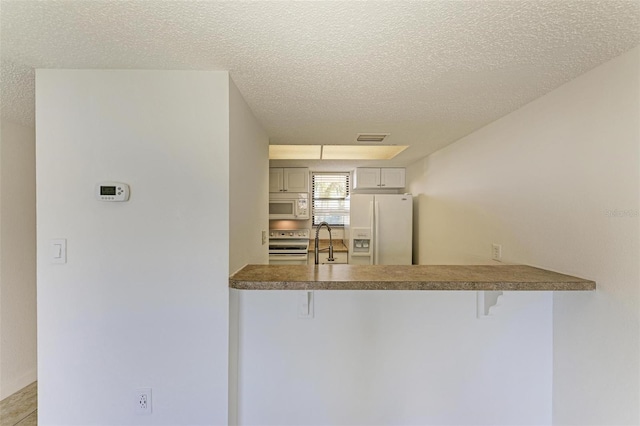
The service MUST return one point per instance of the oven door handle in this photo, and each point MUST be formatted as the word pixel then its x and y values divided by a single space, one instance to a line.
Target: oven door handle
pixel 288 257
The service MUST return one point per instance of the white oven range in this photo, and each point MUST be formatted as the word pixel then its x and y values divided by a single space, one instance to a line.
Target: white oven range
pixel 288 246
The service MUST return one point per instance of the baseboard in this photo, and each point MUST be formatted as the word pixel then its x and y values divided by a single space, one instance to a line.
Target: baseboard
pixel 19 406
pixel 9 387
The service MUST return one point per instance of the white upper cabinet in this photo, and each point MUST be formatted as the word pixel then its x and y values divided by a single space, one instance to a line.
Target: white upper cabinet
pixel 379 178
pixel 366 177
pixel 276 179
pixel 296 179
pixel 290 179
pixel 392 177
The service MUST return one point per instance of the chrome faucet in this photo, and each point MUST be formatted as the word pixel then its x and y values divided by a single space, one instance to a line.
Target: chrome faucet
pixel 317 248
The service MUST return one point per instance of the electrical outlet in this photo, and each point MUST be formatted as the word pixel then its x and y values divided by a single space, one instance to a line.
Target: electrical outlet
pixel 143 401
pixel 496 252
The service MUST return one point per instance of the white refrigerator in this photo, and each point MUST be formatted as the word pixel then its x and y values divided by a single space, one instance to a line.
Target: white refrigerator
pixel 380 230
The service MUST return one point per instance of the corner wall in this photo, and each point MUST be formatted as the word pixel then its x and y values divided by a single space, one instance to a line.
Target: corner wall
pixel 18 357
pixel 248 184
pixel 557 183
pixel 248 213
pixel 143 298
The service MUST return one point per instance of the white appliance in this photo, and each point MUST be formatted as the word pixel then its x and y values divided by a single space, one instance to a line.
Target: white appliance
pixel 288 246
pixel 290 205
pixel 380 230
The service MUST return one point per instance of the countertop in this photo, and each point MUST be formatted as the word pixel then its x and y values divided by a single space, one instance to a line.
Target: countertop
pixel 338 246
pixel 405 277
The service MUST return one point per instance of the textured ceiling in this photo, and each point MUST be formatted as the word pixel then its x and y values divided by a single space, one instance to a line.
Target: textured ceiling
pixel 320 72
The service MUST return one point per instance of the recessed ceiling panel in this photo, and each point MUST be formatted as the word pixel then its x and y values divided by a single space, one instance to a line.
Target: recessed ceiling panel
pixel 361 152
pixel 294 152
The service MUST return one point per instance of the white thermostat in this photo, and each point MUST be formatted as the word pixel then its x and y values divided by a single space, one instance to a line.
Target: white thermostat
pixel 112 191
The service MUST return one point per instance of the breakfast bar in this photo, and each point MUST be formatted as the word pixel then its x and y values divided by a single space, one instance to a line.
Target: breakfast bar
pixel 405 277
pixel 438 332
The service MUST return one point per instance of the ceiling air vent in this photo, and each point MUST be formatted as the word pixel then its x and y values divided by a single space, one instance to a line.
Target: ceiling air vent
pixel 372 137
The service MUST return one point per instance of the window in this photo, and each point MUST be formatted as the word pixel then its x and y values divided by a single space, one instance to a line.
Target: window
pixel 329 203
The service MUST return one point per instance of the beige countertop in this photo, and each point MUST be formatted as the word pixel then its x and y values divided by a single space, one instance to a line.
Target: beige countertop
pixel 405 277
pixel 338 246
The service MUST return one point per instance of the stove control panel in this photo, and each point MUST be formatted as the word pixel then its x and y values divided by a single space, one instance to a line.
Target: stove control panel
pixel 289 233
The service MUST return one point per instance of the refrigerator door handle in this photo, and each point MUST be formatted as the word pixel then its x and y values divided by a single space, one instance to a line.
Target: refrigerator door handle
pixel 373 237
pixel 376 221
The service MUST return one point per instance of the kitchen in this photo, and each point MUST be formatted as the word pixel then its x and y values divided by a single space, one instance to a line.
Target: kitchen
pixel 525 140
pixel 369 222
pixel 339 335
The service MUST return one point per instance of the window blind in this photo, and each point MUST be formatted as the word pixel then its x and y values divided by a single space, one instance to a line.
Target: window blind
pixel 329 198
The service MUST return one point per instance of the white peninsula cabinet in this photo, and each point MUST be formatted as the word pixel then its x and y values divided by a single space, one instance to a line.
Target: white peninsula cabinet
pixel 289 179
pixel 379 178
pixel 359 333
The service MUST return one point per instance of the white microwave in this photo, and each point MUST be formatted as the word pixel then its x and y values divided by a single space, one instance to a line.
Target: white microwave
pixel 291 205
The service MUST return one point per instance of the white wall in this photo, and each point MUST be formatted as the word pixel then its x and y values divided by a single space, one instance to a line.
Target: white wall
pixel 556 183
pixel 394 358
pixel 18 363
pixel 248 211
pixel 248 183
pixel 143 298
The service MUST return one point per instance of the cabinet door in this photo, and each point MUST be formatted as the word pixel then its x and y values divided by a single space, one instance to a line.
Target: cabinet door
pixel 366 177
pixel 296 179
pixel 275 179
pixel 392 177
